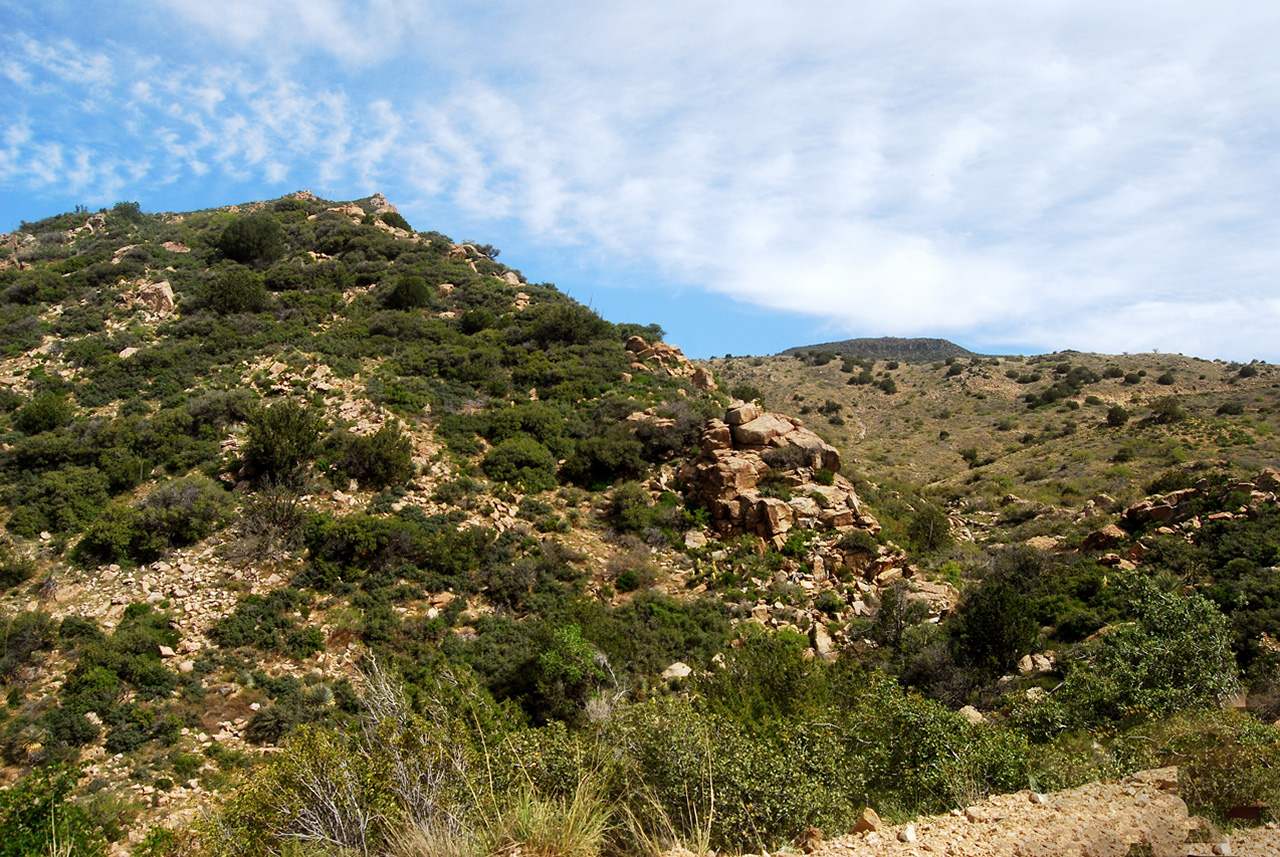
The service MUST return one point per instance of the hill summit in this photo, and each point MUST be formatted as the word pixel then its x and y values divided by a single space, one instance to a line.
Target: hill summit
pixel 917 350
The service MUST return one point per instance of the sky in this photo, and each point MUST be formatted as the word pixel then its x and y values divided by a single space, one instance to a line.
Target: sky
pixel 1016 177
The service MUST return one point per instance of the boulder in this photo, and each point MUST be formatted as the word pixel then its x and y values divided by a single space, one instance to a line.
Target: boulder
pixel 678 670
pixel 716 436
pixel 742 413
pixel 156 297
pixel 1105 538
pixel 703 380
pixel 761 430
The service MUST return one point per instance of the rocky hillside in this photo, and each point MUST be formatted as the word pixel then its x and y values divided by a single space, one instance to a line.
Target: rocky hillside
pixel 321 531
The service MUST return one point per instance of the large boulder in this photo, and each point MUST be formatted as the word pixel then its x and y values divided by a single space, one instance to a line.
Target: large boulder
pixel 761 430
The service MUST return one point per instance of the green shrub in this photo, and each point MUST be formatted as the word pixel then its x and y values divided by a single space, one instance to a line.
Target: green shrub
pixel 1167 410
pixel 1117 416
pixel 252 239
pixel 521 461
pixel 44 413
pixel 395 219
pixel 859 541
pixel 378 460
pixel 38 813
pixel 15 568
pixel 281 441
pixel 994 627
pixel 407 292
pixel 267 623
pixel 237 289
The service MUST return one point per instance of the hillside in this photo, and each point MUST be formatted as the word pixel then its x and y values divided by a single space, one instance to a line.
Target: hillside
pixel 326 533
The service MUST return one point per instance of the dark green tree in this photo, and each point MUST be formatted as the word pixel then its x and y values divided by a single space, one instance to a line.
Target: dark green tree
pixel 281 441
pixel 252 239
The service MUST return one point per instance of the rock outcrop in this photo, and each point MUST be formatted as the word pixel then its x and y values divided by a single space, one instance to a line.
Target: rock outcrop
pixel 1184 507
pixel 670 359
pixel 746 449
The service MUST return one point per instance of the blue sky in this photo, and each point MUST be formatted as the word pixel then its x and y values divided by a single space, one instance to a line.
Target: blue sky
pixel 1018 177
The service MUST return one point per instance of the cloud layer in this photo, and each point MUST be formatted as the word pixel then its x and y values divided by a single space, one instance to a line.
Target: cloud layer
pixel 1041 177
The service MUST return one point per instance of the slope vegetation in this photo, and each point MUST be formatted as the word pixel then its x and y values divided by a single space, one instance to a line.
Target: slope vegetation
pixel 325 533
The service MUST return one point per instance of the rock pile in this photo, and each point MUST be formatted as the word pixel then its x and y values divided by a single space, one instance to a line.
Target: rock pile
pixel 1183 507
pixel 741 451
pixel 670 359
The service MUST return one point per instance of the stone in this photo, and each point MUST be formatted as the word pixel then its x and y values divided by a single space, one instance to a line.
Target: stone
pixel 126 353
pixel 703 380
pixel 907 833
pixel 695 539
pixel 166 652
pixel 678 670
pixel 761 430
pixel 1105 538
pixel 187 667
pixel 821 640
pixel 809 840
pixel 867 822
pixel 156 297
pixel 972 714
pixel 743 413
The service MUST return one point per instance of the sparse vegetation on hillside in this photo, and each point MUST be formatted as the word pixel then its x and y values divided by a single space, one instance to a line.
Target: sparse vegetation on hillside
pixel 353 538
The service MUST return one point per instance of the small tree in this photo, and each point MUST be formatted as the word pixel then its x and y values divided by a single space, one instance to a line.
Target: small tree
pixel 994 628
pixel 253 239
pixel 1167 410
pixel 1117 416
pixel 407 292
pixel 281 441
pixel 381 459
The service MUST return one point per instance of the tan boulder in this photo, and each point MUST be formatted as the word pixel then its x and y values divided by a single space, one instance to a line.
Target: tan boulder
pixel 742 413
pixel 157 297
pixel 703 380
pixel 761 430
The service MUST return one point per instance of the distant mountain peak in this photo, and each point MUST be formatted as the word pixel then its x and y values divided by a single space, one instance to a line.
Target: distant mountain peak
pixel 919 349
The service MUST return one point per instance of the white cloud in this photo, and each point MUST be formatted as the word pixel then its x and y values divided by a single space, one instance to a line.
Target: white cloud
pixel 1062 175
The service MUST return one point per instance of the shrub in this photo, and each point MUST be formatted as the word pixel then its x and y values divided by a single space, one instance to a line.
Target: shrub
pixel 377 460
pixel 746 392
pixel 1175 655
pixel 1167 410
pixel 236 290
pixel 1117 416
pixel 407 292
pixel 994 627
pixel 1166 379
pixel 15 568
pixel 1232 409
pixel 280 441
pixel 929 529
pixel 522 461
pixel 46 412
pixel 38 814
pixel 186 510
pixel 396 220
pixel 859 541
pixel 786 457
pixel 252 239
